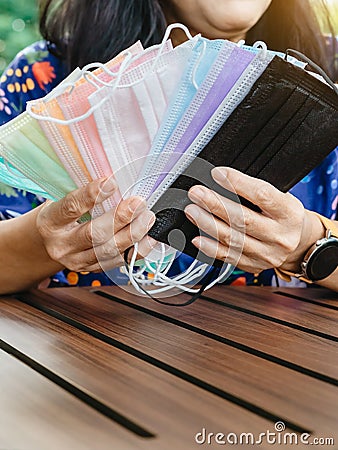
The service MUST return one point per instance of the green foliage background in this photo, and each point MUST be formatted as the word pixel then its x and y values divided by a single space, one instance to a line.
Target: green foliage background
pixel 16 34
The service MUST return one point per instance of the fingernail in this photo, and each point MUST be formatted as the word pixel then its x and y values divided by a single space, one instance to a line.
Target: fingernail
pixel 196 241
pixel 108 186
pixel 136 205
pixel 219 173
pixel 192 211
pixel 150 218
pixel 197 192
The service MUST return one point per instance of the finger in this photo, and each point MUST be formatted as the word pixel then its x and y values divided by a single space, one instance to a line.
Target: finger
pixel 145 246
pixel 234 214
pixel 109 254
pixel 103 228
pixel 126 237
pixel 77 203
pixel 216 250
pixel 269 199
pixel 87 261
pixel 79 261
pixel 216 228
pixel 127 211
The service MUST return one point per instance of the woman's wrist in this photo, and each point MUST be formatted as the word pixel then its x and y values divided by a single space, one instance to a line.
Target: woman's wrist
pixel 312 230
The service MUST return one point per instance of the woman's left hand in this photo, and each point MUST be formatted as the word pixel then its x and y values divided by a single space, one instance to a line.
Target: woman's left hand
pixel 278 236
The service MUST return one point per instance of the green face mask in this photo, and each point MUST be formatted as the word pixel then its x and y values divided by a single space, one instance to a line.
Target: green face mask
pixel 10 176
pixel 25 147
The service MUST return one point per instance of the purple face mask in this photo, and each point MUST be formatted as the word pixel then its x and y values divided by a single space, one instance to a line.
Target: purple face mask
pixel 222 76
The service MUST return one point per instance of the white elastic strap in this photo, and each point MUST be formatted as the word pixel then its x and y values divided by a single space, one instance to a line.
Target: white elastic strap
pixel 165 283
pixel 166 37
pixel 240 43
pixel 262 45
pixel 83 116
pixel 99 83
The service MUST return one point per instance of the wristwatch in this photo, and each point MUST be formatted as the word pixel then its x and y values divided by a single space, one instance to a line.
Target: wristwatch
pixel 321 260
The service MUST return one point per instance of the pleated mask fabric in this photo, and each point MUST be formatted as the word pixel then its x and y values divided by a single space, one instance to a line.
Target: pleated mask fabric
pixel 25 146
pixel 223 75
pixel 225 109
pixel 132 110
pixel 279 132
pixel 202 57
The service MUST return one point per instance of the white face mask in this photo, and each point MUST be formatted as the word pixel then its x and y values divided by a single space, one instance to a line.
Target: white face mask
pixel 130 117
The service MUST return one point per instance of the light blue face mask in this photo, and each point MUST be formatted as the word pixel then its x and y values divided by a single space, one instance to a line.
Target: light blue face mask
pixel 257 47
pixel 12 177
pixel 223 75
pixel 202 58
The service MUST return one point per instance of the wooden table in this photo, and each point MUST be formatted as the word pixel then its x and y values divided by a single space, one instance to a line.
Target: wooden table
pixel 103 369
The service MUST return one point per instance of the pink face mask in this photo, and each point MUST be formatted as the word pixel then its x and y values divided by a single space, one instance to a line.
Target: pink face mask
pixel 80 161
pixel 84 132
pixel 132 109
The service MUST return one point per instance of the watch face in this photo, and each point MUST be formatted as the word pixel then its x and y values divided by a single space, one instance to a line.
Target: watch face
pixel 323 261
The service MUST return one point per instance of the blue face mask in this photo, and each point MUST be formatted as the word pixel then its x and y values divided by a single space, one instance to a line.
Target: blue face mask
pixel 202 58
pixel 228 67
pixel 12 177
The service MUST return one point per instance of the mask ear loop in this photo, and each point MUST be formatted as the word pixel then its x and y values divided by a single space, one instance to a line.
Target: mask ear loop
pixel 99 83
pixel 213 273
pixel 86 114
pixel 314 66
pixel 264 48
pixel 166 37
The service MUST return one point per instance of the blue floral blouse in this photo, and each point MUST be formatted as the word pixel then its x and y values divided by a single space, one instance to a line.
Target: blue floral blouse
pixel 36 71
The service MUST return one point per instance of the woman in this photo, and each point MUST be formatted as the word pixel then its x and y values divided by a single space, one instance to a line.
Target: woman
pixel 63 24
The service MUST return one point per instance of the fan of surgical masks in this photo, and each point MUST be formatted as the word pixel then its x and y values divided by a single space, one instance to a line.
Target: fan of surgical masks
pixel 143 117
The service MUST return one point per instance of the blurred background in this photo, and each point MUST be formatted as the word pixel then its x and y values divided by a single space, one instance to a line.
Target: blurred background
pixel 18 26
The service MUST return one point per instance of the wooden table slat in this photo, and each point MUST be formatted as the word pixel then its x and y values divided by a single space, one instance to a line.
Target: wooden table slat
pixel 287 344
pixel 150 396
pixel 239 373
pixel 320 296
pixel 284 309
pixel 236 363
pixel 35 414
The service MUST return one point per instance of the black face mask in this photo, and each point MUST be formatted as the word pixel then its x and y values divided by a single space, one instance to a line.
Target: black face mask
pixel 285 126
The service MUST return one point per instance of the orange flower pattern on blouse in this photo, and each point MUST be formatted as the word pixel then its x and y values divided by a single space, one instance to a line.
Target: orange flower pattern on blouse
pixel 43 73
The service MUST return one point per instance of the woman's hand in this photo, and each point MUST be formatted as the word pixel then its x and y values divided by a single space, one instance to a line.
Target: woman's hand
pixel 278 236
pixel 80 247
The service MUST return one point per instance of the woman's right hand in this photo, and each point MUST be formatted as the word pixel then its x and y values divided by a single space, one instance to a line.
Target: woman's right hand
pixel 81 246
